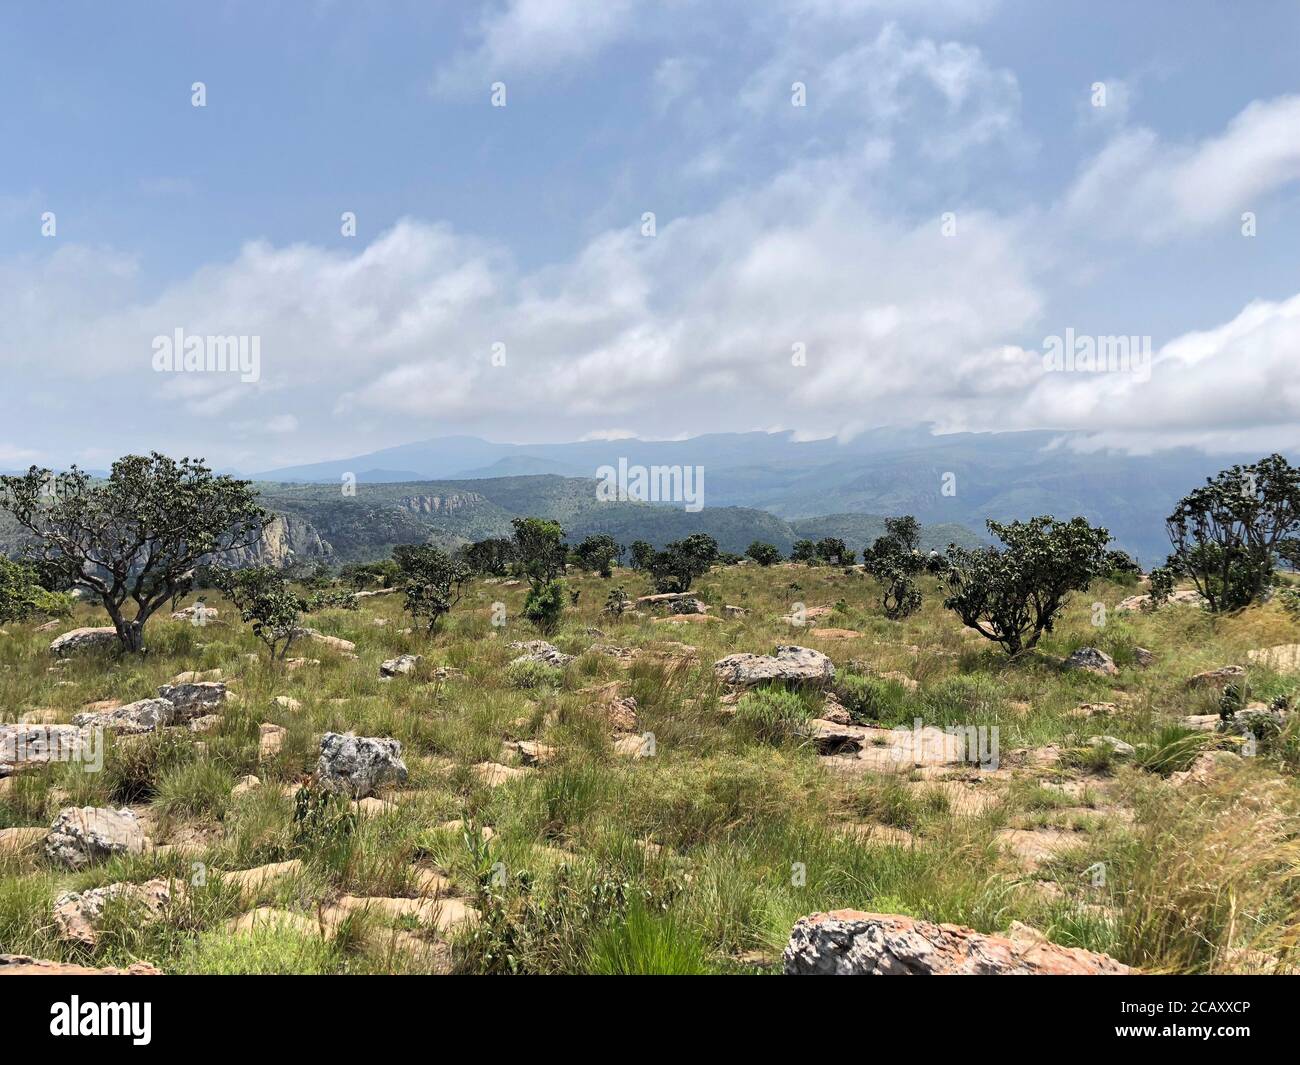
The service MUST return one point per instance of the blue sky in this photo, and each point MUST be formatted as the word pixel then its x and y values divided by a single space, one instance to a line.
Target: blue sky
pixel 775 225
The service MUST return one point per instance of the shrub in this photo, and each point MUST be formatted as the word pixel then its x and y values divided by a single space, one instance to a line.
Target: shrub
pixel 21 594
pixel 682 561
pixel 804 551
pixel 544 605
pixel 263 597
pixel 598 553
pixel 432 582
pixel 763 553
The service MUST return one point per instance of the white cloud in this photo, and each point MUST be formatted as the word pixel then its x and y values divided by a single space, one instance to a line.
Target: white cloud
pixel 1140 186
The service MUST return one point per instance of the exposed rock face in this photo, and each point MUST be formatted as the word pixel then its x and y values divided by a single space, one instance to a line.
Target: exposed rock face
pixel 286 539
pixel 86 834
pixel 89 639
pixel 1284 658
pixel 1092 660
pixel 26 965
pixel 672 603
pixel 862 748
pixel 440 504
pixel 194 699
pixel 541 651
pixel 400 665
pixel 852 943
pixel 23 746
pixel 77 914
pixel 790 664
pixel 357 765
pixel 1182 597
pixel 136 718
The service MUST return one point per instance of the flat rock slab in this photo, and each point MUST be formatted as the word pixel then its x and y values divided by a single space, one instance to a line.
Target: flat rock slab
pixel 671 603
pixel 26 965
pixel 788 664
pixel 251 882
pixel 862 748
pixel 133 719
pixel 834 634
pixel 852 943
pixel 87 639
pixel 1033 847
pixel 1284 658
pixel 494 774
pixel 266 918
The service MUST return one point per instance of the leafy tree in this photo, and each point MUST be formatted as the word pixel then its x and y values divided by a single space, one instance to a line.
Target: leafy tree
pixel 544 604
pixel 894 560
pixel 21 594
pixel 1226 535
pixel 135 536
pixel 804 551
pixel 598 552
pixel 641 554
pixel 680 562
pixel 763 553
pixel 1015 594
pixel 381 574
pixel 539 548
pixel 617 602
pixel 1120 565
pixel 833 551
pixel 431 581
pixel 265 598
pixel 491 557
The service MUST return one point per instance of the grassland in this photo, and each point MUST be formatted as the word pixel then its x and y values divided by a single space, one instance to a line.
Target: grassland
pixel 700 857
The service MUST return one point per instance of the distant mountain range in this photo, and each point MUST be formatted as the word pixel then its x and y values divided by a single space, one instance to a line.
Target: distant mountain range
pixel 773 484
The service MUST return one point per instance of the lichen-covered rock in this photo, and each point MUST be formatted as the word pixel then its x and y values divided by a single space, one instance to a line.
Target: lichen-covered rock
pixel 88 639
pixel 357 765
pixel 133 719
pixel 672 603
pixel 1218 678
pixel 400 665
pixel 852 943
pixel 1092 660
pixel 194 699
pixel 81 835
pixel 789 664
pixel 77 914
pixel 541 651
pixel 27 745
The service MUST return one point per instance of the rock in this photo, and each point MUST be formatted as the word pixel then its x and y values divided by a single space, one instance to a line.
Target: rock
pixel 133 719
pixel 26 746
pixel 852 943
pixel 460 827
pixel 494 774
pixel 1202 771
pixel 686 619
pixel 533 753
pixel 245 785
pixel 357 765
pixel 623 654
pixel 86 834
pixel 834 712
pixel 250 882
pixel 1201 722
pixel 399 666
pixel 812 613
pixel 1218 678
pixel 789 664
pixel 1284 658
pixel 541 651
pixel 1118 747
pixel 270 738
pixel 834 634
pixel 265 918
pixel 77 914
pixel 288 702
pixel 21 840
pixel 195 612
pixel 206 723
pixel 1181 597
pixel 671 603
pixel 1087 710
pixel 1142 657
pixel 89 639
pixel 634 747
pixel 334 643
pixel 860 748
pixel 735 611
pixel 194 699
pixel 901 679
pixel 44 716
pixel 193 676
pixel 25 965
pixel 1092 660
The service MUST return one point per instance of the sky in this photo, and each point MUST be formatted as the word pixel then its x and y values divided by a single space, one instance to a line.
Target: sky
pixel 581 219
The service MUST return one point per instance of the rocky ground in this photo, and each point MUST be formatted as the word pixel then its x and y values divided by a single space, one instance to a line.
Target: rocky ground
pixel 763 775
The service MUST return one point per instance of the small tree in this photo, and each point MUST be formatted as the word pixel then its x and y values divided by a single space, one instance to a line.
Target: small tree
pixel 894 560
pixel 617 602
pixel 539 548
pixel 265 598
pixel 804 551
pixel 491 557
pixel 1015 594
pixel 682 561
pixel 431 581
pixel 21 594
pixel 1226 535
pixel 834 552
pixel 763 553
pixel 136 536
pixel 640 555
pixel 598 553
pixel 544 605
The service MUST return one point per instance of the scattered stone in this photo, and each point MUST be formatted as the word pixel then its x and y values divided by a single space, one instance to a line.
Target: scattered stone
pixel 288 702
pixel 270 738
pixel 44 716
pixel 458 826
pixel 86 834
pixel 1218 678
pixel 1087 710
pixel 399 666
pixel 789 664
pixel 192 676
pixel 77 914
pixel 860 748
pixel 1201 722
pixel 540 651
pixel 26 965
pixel 623 654
pixel 373 807
pixel 271 917
pixel 21 840
pixel 834 711
pixel 89 639
pixel 1118 747
pixel 206 723
pixel 634 747
pixel 834 634
pixel 134 719
pixel 357 765
pixel 245 785
pixel 194 699
pixel 686 619
pixel 853 943
pixel 901 679
pixel 27 746
pixel 735 611
pixel 1182 597
pixel 1142 657
pixel 1092 660
pixel 251 882
pixel 672 603
pixel 494 774
pixel 1202 771
pixel 812 613
pixel 533 753
pixel 334 643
